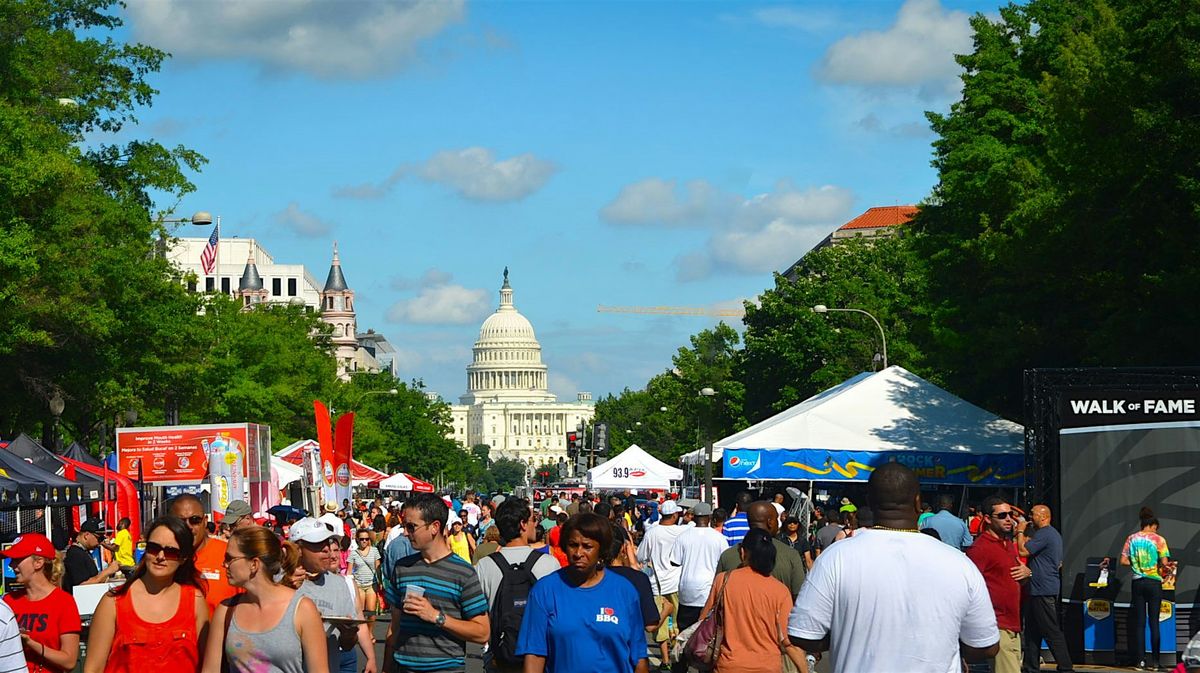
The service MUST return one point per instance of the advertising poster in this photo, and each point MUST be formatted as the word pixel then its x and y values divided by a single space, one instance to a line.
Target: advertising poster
pixel 176 454
pixel 325 440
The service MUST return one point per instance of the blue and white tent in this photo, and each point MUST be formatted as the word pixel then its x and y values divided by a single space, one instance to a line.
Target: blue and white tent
pixel 843 433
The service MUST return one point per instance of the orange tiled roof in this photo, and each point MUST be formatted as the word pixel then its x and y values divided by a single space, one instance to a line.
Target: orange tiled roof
pixel 881 216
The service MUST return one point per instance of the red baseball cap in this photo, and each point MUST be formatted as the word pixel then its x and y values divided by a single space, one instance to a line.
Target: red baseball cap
pixel 30 544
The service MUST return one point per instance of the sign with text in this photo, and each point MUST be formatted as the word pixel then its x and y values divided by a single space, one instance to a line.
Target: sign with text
pixel 1081 409
pixel 180 453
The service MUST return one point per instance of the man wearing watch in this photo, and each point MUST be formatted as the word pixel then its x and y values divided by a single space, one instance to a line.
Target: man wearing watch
pixel 437 602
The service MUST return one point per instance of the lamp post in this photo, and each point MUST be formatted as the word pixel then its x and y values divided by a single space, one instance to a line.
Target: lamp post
pixel 57 405
pixel 708 454
pixel 821 308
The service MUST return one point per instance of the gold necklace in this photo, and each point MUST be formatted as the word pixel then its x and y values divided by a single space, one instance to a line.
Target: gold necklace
pixel 898 530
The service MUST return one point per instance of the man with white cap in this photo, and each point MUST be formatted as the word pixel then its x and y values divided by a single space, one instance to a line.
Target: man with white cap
pixel 696 553
pixel 655 551
pixel 329 591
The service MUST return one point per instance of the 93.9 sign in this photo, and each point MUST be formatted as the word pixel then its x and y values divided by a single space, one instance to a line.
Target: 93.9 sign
pixel 627 473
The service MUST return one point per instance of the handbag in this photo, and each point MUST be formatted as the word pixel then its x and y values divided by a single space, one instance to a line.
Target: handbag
pixel 704 645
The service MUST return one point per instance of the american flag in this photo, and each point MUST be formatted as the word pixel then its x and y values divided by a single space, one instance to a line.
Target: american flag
pixel 209 255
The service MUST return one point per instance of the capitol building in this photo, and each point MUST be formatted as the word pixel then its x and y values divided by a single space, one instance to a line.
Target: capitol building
pixel 508 405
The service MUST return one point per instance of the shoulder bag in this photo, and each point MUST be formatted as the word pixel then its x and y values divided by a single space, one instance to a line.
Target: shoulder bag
pixel 704 645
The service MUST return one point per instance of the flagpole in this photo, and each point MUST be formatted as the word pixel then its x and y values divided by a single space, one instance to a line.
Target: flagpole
pixel 217 256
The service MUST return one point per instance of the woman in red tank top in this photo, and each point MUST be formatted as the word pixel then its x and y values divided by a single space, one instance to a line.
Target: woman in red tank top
pixel 159 616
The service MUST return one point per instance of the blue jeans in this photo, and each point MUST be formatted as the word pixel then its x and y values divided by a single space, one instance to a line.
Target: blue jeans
pixel 349 662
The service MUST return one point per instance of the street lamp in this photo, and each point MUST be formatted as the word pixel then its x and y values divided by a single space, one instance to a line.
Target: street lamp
pixel 57 405
pixel 821 308
pixel 708 454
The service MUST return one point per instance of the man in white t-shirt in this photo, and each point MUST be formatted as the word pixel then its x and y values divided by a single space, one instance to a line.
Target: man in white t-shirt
pixel 472 509
pixel 696 552
pixel 655 551
pixel 892 599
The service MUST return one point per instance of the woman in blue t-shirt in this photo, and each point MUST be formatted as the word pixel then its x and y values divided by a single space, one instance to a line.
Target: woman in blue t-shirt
pixel 583 619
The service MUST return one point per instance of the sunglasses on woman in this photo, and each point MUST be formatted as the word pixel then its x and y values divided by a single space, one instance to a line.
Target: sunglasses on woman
pixel 169 553
pixel 364 539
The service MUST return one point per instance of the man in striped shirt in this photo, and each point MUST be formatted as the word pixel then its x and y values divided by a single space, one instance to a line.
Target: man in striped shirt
pixel 429 632
pixel 12 655
pixel 737 526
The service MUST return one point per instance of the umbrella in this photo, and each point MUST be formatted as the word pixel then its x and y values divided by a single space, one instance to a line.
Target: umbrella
pixel 287 512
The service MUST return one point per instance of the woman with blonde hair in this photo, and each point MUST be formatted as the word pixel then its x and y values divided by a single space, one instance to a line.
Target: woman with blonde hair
pixel 53 646
pixel 158 615
pixel 269 628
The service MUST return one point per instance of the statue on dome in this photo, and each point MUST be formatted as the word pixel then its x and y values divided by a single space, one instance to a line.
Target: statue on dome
pixel 506 274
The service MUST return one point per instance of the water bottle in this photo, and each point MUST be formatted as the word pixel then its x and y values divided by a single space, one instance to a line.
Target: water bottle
pixel 812 662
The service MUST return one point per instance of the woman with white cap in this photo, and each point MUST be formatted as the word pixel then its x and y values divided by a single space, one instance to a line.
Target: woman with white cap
pixel 53 645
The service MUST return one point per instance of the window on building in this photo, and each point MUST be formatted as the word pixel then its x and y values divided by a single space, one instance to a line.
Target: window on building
pixel 191 286
pixel 225 284
pixel 276 287
pixel 291 287
pixel 210 284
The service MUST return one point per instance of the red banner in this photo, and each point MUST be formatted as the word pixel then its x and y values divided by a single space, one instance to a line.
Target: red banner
pixel 325 439
pixel 343 450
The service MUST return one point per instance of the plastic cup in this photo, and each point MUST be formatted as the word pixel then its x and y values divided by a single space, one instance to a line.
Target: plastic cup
pixel 414 591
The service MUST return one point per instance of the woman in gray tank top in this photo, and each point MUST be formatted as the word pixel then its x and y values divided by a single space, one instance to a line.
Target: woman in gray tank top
pixel 269 628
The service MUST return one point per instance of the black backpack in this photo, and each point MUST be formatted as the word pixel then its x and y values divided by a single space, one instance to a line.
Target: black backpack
pixel 509 607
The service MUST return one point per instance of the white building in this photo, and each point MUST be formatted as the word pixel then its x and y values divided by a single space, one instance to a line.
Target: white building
pixel 508 405
pixel 283 282
pixel 244 269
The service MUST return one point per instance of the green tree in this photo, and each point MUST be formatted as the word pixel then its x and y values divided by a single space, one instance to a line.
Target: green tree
pixel 507 474
pixel 1064 226
pixel 84 300
pixel 792 353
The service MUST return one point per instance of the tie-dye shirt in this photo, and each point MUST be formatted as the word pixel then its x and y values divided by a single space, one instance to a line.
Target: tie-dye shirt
pixel 1144 551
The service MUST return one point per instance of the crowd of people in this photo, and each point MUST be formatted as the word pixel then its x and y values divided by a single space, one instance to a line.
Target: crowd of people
pixel 578 584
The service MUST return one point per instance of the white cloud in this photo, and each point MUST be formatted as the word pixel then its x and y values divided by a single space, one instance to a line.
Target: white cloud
pixel 329 40
pixel 473 173
pixel 439 302
pixel 655 201
pixel 302 223
pixel 916 51
pixel 756 234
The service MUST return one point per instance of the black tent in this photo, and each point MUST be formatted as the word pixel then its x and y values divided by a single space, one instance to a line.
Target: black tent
pixel 76 452
pixel 32 452
pixel 43 487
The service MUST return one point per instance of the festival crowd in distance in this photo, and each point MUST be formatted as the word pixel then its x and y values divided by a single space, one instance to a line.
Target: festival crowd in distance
pixel 598 583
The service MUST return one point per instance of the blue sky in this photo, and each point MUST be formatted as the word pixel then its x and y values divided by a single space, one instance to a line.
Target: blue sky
pixel 622 153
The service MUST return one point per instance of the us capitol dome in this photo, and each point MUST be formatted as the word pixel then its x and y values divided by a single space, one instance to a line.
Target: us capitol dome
pixel 508 405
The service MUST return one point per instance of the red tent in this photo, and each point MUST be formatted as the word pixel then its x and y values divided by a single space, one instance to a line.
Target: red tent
pixel 360 473
pixel 127 502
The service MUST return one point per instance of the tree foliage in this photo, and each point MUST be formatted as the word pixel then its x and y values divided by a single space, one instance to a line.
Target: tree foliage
pixel 1063 230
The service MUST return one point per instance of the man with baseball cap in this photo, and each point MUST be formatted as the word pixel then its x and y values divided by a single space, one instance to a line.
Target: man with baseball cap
pixel 696 553
pixel 238 515
pixel 80 567
pixel 655 551
pixel 329 591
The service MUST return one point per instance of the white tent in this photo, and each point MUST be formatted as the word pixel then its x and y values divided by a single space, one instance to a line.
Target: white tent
pixel 633 468
pixel 892 415
pixel 697 457
pixel 287 472
pixel 396 482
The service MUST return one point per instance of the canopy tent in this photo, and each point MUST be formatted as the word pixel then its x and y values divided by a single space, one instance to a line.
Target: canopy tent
pixel 287 472
pixel 43 487
pixel 126 502
pixel 361 474
pixel 77 453
pixel 32 452
pixel 633 468
pixel 842 433
pixel 697 457
pixel 402 482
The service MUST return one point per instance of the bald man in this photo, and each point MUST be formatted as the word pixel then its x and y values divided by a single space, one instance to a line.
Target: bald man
pixel 861 596
pixel 789 565
pixel 1043 547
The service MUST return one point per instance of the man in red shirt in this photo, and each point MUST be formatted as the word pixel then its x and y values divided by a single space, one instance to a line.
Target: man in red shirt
pixel 996 556
pixel 210 552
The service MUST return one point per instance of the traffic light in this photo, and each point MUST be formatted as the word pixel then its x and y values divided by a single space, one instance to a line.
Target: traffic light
pixel 573 444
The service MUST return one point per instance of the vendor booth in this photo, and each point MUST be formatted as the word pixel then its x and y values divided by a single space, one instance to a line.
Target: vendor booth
pixel 402 482
pixel 633 469
pixel 843 433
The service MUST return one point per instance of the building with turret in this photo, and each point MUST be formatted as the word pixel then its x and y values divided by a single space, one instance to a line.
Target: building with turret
pixel 251 289
pixel 337 309
pixel 508 405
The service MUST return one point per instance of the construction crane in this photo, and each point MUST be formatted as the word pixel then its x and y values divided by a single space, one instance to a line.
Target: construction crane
pixel 733 312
